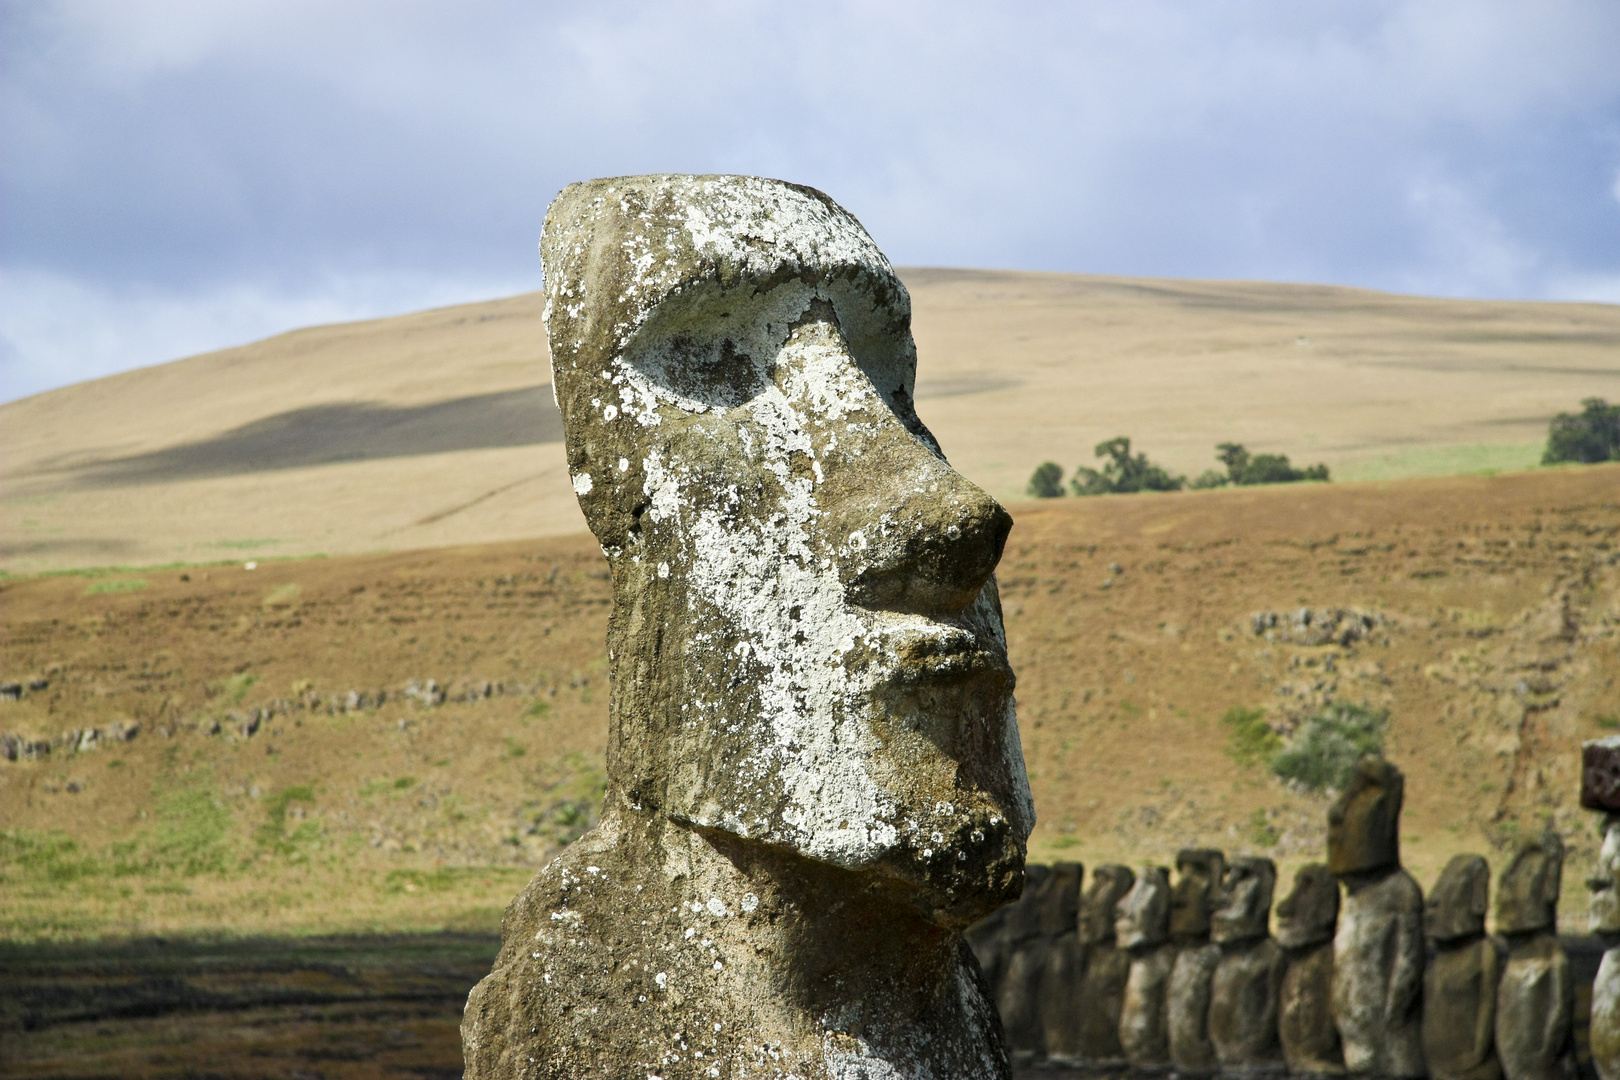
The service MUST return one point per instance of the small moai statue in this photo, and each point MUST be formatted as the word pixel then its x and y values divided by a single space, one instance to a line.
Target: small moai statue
pixel 1378 950
pixel 1142 927
pixel 1061 976
pixel 1306 920
pixel 1535 1000
pixel 1198 881
pixel 1459 984
pixel 1018 998
pixel 1107 967
pixel 1248 979
pixel 1600 790
pixel 988 940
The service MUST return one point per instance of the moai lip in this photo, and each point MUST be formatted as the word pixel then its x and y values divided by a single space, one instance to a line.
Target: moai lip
pixel 815 779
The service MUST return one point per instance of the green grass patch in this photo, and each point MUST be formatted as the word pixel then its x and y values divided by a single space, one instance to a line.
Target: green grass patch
pixel 537 707
pixel 1260 831
pixel 513 750
pixel 236 687
pixel 246 545
pixel 1488 458
pixel 1609 722
pixel 117 585
pixel 1250 741
pixel 191 834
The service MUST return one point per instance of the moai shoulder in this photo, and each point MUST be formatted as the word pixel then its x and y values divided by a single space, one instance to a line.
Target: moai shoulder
pixel 1535 1002
pixel 1245 990
pixel 814 776
pixel 1307 919
pixel 1378 950
pixel 1459 985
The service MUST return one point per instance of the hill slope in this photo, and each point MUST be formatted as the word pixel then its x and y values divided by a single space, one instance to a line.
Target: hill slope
pixel 437 428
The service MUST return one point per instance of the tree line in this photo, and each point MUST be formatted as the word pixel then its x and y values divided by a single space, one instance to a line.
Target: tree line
pixel 1124 472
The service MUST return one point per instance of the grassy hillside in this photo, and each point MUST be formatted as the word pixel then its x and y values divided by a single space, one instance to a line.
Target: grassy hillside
pixel 295 768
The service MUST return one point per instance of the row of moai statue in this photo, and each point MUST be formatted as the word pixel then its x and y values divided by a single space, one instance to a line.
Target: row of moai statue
pixel 1144 971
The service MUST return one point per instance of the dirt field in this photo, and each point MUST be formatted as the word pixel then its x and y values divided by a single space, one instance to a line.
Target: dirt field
pixel 261 795
pixel 437 428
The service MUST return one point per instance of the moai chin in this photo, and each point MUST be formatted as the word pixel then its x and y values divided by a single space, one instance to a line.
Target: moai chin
pixel 1378 949
pixel 1061 975
pixel 1142 928
pixel 1459 984
pixel 1604 1031
pixel 814 775
pixel 1198 880
pixel 1107 967
pixel 1306 921
pixel 1535 1000
pixel 1248 979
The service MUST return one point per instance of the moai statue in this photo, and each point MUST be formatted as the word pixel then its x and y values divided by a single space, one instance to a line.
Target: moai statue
pixel 988 940
pixel 1248 979
pixel 1142 928
pixel 814 775
pixel 1459 984
pixel 1600 790
pixel 1198 879
pixel 1535 1001
pixel 1018 997
pixel 1065 962
pixel 1306 921
pixel 1107 967
pixel 1378 950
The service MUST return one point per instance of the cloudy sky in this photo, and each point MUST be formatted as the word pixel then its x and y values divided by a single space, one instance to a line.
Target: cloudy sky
pixel 181 176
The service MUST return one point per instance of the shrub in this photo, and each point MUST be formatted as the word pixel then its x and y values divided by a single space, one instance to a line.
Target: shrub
pixel 1324 751
pixel 1123 473
pixel 1590 436
pixel 1047 481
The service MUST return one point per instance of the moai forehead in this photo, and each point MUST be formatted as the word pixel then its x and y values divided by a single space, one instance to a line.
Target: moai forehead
pixel 1245 895
pixel 1456 906
pixel 1364 824
pixel 1109 884
pixel 1309 913
pixel 1142 917
pixel 1527 893
pixel 1198 878
pixel 1604 916
pixel 806 639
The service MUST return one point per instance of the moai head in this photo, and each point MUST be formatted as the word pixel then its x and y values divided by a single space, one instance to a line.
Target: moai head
pixel 1060 899
pixel 1364 823
pixel 806 644
pixel 1605 881
pixel 1455 909
pixel 1309 914
pixel 1245 900
pixel 1099 906
pixel 1198 878
pixel 1142 917
pixel 1527 891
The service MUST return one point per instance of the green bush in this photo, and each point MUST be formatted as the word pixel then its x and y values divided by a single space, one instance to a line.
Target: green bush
pixel 1590 436
pixel 1324 751
pixel 1123 473
pixel 1046 482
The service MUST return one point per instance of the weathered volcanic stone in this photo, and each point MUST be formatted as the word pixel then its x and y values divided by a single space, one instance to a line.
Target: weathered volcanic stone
pixel 1143 929
pixel 1108 966
pixel 1018 995
pixel 1605 922
pixel 1248 979
pixel 1535 1000
pixel 1306 920
pixel 1459 984
pixel 1600 774
pixel 1198 877
pixel 1378 949
pixel 814 776
pixel 1061 979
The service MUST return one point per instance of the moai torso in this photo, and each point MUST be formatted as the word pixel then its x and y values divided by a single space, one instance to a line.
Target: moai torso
pixel 1143 929
pixel 1306 921
pixel 1107 967
pixel 1378 950
pixel 1600 790
pixel 1248 980
pixel 1064 969
pixel 1198 876
pixel 1535 1000
pixel 814 777
pixel 1459 984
